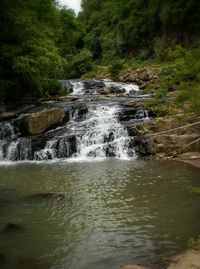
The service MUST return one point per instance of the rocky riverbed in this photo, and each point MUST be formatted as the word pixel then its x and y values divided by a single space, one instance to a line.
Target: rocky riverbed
pixel 51 128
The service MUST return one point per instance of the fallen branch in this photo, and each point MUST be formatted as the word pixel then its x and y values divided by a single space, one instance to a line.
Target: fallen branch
pixel 178 151
pixel 174 129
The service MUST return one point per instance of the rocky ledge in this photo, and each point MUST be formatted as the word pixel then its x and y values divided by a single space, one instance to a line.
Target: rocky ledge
pixel 172 138
pixel 188 260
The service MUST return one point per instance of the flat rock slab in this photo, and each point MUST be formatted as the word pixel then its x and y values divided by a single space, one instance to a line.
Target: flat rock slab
pixel 189 260
pixel 132 266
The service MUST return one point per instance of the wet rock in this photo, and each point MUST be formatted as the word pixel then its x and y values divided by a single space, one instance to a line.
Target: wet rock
pixel 188 260
pixel 2 259
pixel 93 84
pixel 42 120
pixel 151 114
pixel 12 228
pixel 105 90
pixel 33 263
pixel 66 147
pixel 4 116
pixel 68 87
pixel 127 114
pixel 117 90
pixel 82 111
pixel 49 196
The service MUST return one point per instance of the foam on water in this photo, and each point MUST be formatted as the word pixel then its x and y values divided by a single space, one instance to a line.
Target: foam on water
pixel 103 136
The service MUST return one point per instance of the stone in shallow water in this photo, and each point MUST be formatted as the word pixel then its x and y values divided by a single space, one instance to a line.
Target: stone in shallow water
pixel 47 196
pixel 2 259
pixel 33 263
pixel 12 227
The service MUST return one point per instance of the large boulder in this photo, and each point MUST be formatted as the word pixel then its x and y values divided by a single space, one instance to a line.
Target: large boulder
pixel 40 121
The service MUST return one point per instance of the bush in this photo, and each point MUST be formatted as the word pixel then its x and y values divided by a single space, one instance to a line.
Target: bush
pixel 116 67
pixel 51 87
pixel 81 64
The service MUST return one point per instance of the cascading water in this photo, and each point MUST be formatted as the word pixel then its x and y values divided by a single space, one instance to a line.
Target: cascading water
pixel 94 129
pixel 101 135
pixel 78 87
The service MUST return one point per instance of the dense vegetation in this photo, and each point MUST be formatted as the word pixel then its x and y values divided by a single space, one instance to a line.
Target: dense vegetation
pixel 124 28
pixel 41 42
pixel 38 41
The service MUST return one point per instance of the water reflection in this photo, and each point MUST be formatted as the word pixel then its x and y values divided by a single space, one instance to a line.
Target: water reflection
pixel 112 212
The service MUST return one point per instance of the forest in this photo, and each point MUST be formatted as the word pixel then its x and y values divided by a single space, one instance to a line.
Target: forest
pixel 42 42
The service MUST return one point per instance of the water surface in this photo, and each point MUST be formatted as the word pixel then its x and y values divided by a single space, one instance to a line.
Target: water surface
pixel 113 212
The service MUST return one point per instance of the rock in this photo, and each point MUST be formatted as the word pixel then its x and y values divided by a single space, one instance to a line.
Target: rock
pixel 132 266
pixel 171 136
pixel 49 196
pixel 11 228
pixel 143 75
pixel 117 90
pixel 188 260
pixel 2 259
pixel 191 158
pixel 105 90
pixel 127 114
pixel 7 116
pixel 68 87
pixel 93 84
pixel 34 263
pixel 42 120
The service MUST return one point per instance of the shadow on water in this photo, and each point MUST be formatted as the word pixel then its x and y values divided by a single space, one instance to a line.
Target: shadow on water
pixel 95 215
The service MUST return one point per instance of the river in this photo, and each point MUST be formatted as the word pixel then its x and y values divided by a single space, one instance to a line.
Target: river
pixel 101 207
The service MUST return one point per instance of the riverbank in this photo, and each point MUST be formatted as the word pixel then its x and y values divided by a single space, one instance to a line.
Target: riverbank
pixel 187 260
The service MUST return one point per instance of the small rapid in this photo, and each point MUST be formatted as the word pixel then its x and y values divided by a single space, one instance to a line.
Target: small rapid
pixel 94 127
pixel 102 135
pixel 99 135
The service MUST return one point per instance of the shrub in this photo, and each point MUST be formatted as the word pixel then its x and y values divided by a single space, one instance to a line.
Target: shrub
pixel 116 67
pixel 81 64
pixel 51 87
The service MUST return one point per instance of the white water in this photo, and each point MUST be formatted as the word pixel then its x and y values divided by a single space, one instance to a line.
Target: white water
pixel 78 87
pixel 102 136
pixel 121 85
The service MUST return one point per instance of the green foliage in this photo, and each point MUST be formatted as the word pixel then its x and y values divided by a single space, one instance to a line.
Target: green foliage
pixel 139 27
pixel 116 67
pixel 51 87
pixel 161 107
pixel 27 49
pixel 183 77
pixel 80 64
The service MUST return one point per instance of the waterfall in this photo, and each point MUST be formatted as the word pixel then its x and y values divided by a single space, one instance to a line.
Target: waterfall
pixel 101 135
pixel 95 129
pixel 93 86
pixel 78 87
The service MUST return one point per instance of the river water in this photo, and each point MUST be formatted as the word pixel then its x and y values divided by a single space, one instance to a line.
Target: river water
pixel 110 213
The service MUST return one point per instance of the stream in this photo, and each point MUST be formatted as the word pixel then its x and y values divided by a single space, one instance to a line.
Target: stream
pixel 79 196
